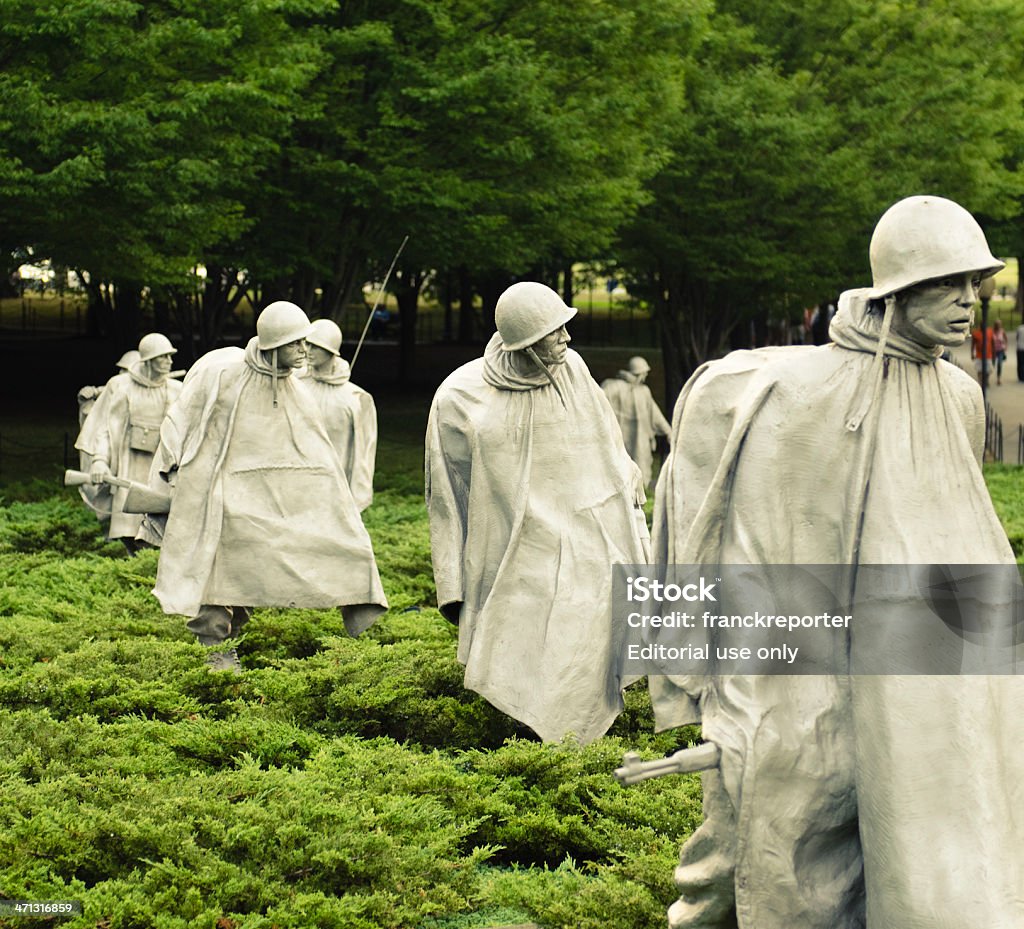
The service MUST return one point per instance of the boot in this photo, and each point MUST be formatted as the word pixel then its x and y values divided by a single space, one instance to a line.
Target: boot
pixel 225 661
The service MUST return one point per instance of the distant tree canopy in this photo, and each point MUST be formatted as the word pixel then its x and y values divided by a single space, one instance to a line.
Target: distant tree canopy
pixel 285 145
pixel 729 158
pixel 804 120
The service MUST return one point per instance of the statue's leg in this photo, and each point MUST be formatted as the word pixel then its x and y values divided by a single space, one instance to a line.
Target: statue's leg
pixel 707 866
pixel 240 615
pixel 211 625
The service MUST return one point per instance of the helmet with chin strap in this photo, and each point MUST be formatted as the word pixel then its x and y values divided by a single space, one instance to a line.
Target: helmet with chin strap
pixel 129 358
pixel 528 311
pixel 281 322
pixel 922 238
pixel 154 345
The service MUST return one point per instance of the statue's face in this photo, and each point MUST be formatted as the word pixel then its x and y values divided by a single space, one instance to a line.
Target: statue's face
pixel 160 366
pixel 292 355
pixel 938 311
pixel 317 357
pixel 552 348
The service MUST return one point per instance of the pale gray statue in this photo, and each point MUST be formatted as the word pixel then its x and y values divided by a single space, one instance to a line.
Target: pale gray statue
pixel 532 498
pixel 891 801
pixel 93 494
pixel 262 514
pixel 88 396
pixel 639 417
pixel 122 430
pixel 349 411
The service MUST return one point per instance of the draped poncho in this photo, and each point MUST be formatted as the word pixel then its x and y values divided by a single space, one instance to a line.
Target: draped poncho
pixel 532 499
pixel 811 455
pixel 127 399
pixel 351 419
pixel 262 514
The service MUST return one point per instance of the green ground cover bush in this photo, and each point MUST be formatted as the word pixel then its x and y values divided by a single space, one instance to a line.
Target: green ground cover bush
pixel 1006 485
pixel 337 783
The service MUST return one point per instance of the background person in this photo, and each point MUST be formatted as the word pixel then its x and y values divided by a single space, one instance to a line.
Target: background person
pixel 999 348
pixel 1018 338
pixel 983 352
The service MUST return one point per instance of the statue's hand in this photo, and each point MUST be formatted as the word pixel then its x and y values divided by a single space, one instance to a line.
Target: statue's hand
pixel 98 472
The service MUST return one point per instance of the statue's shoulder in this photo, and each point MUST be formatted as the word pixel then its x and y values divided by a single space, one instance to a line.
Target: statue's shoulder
pixel 781 362
pixel 964 388
pixel 464 387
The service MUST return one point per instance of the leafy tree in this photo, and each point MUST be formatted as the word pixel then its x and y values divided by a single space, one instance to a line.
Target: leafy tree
pixel 492 133
pixel 804 122
pixel 132 133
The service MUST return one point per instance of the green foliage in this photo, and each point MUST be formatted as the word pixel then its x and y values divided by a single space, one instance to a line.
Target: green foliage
pixel 802 123
pixel 337 782
pixel 1004 484
pixel 65 527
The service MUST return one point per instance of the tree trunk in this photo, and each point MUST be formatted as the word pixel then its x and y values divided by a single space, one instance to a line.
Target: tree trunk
pixel 446 335
pixel 672 354
pixel 1018 303
pixel 466 294
pixel 161 313
pixel 407 293
pixel 491 287
pixel 114 312
pixel 567 285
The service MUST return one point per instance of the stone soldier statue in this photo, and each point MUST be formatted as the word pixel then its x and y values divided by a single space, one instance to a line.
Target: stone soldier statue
pixel 844 801
pixel 97 496
pixel 122 430
pixel 532 498
pixel 349 411
pixel 639 417
pixel 262 514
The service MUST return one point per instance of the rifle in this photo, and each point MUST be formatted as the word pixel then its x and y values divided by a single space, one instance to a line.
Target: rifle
pixel 376 303
pixel 686 760
pixel 140 499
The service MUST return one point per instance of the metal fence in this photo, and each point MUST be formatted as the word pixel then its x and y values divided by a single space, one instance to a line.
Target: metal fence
pixel 993 435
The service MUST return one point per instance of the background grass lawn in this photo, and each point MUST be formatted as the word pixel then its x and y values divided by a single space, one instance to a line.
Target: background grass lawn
pixel 337 783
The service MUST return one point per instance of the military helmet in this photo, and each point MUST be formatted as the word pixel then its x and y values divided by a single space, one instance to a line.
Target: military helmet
pixel 922 238
pixel 326 334
pixel 129 358
pixel 281 322
pixel 638 365
pixel 154 345
pixel 528 311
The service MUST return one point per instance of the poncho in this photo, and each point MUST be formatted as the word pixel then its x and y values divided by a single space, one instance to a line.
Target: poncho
pixel 351 419
pixel 924 770
pixel 639 418
pixel 128 400
pixel 532 499
pixel 262 514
